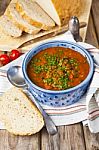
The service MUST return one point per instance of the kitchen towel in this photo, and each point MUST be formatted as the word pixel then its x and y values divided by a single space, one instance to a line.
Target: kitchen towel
pixel 85 109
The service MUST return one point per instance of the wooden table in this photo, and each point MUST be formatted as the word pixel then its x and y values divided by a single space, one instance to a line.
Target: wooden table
pixel 72 137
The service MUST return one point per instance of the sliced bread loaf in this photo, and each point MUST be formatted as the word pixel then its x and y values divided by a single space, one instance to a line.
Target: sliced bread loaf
pixel 19 114
pixel 19 21
pixel 8 27
pixel 61 10
pixel 34 14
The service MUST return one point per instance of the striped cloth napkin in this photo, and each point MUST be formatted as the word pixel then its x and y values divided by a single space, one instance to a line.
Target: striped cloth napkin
pixel 85 110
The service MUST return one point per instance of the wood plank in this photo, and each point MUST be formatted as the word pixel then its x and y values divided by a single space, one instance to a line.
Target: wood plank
pixel 71 137
pixel 11 142
pixel 44 140
pixel 91 37
pixel 54 142
pixel 68 138
pixel 92 140
pixel 49 142
pixel 3 5
pixel 95 14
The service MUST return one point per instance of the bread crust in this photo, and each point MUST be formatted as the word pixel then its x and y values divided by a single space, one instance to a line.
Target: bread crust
pixel 19 25
pixel 30 20
pixel 8 121
pixel 4 21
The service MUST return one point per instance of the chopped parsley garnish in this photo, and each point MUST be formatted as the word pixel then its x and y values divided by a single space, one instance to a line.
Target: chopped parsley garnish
pixel 56 69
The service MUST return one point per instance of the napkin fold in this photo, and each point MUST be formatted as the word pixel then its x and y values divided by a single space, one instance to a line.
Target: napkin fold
pixel 92 96
pixel 87 108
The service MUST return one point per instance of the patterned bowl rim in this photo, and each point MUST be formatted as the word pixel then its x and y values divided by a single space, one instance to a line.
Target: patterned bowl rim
pixel 24 64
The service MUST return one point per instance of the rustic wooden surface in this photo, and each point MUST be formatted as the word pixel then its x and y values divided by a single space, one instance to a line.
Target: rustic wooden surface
pixel 72 137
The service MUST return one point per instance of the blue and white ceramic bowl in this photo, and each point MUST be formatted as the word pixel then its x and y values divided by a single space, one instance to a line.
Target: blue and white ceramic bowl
pixel 63 97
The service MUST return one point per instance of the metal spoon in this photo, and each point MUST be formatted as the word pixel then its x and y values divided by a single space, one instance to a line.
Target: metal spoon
pixel 74 27
pixel 15 76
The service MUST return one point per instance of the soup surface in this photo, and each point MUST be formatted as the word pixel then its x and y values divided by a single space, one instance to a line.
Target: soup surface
pixel 57 68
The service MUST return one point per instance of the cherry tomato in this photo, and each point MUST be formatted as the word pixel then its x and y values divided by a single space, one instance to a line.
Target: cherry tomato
pixel 14 54
pixel 4 59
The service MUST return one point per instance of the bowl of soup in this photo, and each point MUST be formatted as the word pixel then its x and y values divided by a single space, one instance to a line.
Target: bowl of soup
pixel 58 73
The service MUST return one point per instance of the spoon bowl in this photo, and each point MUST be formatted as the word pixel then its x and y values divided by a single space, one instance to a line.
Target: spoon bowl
pixel 15 76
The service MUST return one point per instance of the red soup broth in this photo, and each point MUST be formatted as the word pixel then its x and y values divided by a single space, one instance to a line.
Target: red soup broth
pixel 57 68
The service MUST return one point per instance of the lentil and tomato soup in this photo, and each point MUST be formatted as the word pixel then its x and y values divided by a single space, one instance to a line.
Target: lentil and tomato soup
pixel 57 68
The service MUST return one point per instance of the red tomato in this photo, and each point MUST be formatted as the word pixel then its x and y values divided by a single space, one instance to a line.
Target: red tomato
pixel 14 54
pixel 4 59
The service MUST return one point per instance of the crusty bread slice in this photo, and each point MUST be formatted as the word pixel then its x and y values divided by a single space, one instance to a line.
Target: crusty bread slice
pixel 19 21
pixel 19 114
pixel 34 14
pixel 61 10
pixel 8 27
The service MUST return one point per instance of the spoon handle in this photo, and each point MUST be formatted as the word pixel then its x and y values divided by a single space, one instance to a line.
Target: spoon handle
pixel 74 27
pixel 50 126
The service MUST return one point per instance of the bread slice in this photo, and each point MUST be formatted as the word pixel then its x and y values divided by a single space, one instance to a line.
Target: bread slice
pixel 19 114
pixel 34 14
pixel 61 10
pixel 19 21
pixel 9 28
